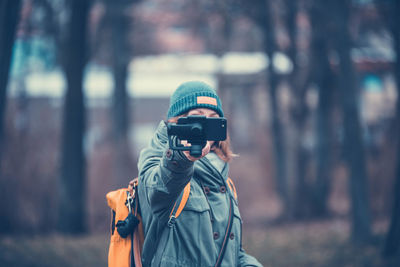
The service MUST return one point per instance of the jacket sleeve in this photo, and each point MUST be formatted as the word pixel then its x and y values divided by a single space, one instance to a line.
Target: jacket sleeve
pixel 247 260
pixel 163 173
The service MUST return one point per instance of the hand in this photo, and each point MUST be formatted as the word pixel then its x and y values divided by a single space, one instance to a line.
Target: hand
pixel 206 149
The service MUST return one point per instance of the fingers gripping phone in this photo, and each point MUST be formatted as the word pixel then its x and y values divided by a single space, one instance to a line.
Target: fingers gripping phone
pixel 197 130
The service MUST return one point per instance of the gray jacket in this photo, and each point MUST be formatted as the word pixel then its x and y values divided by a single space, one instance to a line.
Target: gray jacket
pixel 196 237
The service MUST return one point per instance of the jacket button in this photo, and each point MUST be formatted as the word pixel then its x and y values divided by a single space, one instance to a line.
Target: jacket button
pixel 216 235
pixel 222 189
pixel 232 236
pixel 206 190
pixel 168 154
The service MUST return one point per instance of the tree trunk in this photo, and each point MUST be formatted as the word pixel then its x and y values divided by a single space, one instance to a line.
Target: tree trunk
pixel 392 244
pixel 72 201
pixel 121 56
pixel 120 60
pixel 323 78
pixel 291 7
pixel 9 15
pixel 353 144
pixel 300 157
pixel 277 131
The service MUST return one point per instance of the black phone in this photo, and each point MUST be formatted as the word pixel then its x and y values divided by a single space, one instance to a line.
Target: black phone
pixel 195 126
pixel 199 127
pixel 197 130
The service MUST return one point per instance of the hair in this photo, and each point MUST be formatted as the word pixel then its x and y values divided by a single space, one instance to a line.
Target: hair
pixel 221 148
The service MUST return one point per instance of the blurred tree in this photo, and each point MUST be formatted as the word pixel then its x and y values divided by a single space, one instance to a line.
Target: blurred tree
pixel 72 202
pixel 115 13
pixel 390 12
pixel 219 41
pixel 392 242
pixel 238 91
pixel 262 13
pixel 299 83
pixel 9 10
pixel 48 22
pixel 277 130
pixel 117 18
pixel 353 144
pixel 324 80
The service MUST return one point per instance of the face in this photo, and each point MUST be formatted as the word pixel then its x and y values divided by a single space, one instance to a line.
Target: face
pixel 203 112
pixel 209 113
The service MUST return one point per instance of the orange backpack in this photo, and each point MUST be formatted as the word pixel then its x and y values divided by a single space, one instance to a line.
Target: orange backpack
pixel 126 251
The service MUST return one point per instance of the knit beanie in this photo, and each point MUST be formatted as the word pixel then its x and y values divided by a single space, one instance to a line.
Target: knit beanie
pixel 191 95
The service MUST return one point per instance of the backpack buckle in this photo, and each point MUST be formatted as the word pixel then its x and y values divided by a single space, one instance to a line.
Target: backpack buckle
pixel 129 201
pixel 171 221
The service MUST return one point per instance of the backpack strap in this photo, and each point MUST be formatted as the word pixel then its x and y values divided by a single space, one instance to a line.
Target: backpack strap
pixel 161 243
pixel 232 187
pixel 137 237
pixel 227 234
pixel 179 205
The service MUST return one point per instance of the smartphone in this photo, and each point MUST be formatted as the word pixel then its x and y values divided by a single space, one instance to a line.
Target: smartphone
pixel 197 127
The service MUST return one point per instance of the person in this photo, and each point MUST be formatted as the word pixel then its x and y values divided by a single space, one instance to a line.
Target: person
pixel 197 236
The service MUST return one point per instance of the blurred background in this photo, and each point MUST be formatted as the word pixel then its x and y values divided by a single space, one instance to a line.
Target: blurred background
pixel 310 89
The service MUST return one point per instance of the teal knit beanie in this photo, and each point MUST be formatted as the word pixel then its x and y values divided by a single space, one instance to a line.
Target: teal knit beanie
pixel 191 95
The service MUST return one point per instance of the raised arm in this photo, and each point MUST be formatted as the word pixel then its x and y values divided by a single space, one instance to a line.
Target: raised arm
pixel 163 173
